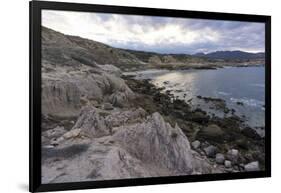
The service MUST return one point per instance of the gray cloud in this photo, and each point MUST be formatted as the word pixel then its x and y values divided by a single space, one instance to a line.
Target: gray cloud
pixel 159 34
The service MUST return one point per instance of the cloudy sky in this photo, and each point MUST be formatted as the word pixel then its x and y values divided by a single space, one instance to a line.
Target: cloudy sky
pixel 159 34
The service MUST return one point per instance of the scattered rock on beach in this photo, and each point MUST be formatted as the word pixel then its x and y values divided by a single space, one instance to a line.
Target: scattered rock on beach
pixel 227 163
pixel 233 155
pixel 211 151
pixel 253 166
pixel 220 158
pixel 200 117
pixel 196 144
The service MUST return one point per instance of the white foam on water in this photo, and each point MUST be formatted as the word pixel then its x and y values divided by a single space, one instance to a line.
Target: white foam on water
pixel 223 93
pixel 258 85
pixel 248 102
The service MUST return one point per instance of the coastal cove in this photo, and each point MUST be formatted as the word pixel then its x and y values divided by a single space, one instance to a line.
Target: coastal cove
pixel 244 94
pixel 101 121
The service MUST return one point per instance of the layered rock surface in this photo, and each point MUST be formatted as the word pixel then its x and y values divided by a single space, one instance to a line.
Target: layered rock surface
pixel 115 145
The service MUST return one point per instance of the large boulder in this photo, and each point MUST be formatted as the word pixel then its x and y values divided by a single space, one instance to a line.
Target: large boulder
pixel 156 142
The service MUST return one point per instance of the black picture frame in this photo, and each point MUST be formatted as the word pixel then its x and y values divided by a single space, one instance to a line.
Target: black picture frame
pixel 36 7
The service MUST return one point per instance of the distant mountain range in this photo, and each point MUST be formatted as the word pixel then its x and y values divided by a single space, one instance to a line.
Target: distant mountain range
pixel 232 55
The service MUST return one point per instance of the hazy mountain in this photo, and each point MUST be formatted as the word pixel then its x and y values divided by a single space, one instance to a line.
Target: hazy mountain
pixel 240 55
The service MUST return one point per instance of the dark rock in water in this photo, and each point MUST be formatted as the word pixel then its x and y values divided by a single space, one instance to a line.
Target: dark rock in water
pixel 242 143
pixel 226 110
pixel 212 131
pixel 220 158
pixel 207 99
pixel 253 166
pixel 211 151
pixel 251 133
pixel 166 82
pixel 200 117
pixel 240 103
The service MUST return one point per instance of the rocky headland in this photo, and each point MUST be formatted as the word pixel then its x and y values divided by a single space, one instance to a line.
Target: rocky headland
pixel 99 125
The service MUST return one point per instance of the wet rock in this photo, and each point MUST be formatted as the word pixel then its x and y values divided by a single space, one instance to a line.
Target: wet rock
pixel 196 144
pixel 212 130
pixel 253 166
pixel 240 103
pixel 220 158
pixel 211 151
pixel 242 143
pixel 250 132
pixel 200 117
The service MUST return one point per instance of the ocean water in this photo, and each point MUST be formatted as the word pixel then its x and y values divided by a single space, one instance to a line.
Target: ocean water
pixel 233 84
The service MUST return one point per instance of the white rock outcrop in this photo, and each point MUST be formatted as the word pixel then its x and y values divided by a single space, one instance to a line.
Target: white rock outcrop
pixel 149 147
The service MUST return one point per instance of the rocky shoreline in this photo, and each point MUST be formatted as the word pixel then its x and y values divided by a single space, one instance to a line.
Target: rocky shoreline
pixel 226 142
pixel 197 66
pixel 100 125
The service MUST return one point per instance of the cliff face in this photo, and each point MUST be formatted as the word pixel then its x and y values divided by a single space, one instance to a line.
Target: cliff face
pixel 90 128
pixel 71 77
